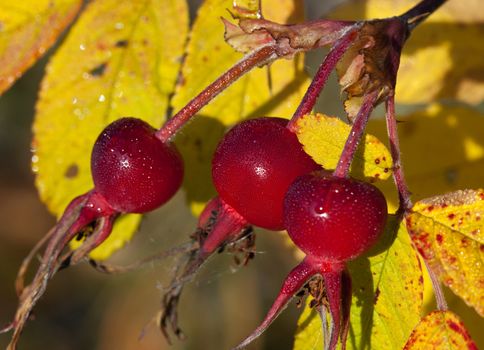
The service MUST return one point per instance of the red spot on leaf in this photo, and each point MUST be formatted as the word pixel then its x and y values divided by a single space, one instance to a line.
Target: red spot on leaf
pixel 439 238
pixel 377 161
pixel 430 208
pixel 454 326
pixel 451 216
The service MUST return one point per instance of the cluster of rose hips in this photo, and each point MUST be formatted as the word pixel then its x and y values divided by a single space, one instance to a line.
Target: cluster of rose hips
pixel 263 178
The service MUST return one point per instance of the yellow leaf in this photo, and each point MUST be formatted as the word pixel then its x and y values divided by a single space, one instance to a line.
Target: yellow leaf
pixel 448 231
pixel 120 59
pixel 324 137
pixel 273 91
pixel 442 150
pixel 441 330
pixel 28 29
pixel 387 297
pixel 442 58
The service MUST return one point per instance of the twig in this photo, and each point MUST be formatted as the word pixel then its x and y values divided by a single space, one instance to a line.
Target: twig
pixel 355 135
pixel 250 61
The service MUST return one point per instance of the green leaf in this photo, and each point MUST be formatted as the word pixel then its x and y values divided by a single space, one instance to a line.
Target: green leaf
pixel 387 297
pixel 28 29
pixel 127 66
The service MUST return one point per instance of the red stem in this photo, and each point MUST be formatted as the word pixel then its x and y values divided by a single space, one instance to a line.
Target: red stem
pixel 398 176
pixel 225 80
pixel 321 76
pixel 355 135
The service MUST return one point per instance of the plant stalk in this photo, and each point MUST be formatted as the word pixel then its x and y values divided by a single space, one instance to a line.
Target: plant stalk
pixel 256 58
pixel 355 135
pixel 321 76
pixel 398 175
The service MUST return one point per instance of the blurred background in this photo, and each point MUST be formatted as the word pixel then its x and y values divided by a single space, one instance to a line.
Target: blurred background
pixel 84 309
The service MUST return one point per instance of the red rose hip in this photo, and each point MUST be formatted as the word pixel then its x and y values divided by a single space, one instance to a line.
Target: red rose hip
pixel 253 166
pixel 132 169
pixel 334 219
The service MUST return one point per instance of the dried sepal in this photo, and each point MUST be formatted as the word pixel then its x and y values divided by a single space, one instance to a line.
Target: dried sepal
pixel 371 63
pixel 251 34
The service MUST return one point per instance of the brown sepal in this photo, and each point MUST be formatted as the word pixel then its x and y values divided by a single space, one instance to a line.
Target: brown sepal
pixel 289 39
pixel 371 63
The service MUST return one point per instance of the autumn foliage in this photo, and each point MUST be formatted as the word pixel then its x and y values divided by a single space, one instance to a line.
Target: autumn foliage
pixel 148 60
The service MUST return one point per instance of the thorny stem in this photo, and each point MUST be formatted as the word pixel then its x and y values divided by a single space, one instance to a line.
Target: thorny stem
pixel 398 176
pixel 250 61
pixel 420 12
pixel 439 293
pixel 355 135
pixel 321 76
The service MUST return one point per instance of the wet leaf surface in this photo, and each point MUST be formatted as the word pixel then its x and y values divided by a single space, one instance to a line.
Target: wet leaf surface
pixel 126 67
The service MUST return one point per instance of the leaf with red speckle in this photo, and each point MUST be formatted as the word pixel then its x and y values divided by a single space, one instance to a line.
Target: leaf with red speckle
pixel 440 330
pixel 448 231
pixel 323 138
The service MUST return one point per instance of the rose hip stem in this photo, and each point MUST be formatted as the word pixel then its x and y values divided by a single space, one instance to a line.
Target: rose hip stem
pixel 398 176
pixel 249 61
pixel 321 76
pixel 355 135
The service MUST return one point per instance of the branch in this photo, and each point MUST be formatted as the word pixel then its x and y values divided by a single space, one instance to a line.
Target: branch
pixel 420 12
pixel 256 58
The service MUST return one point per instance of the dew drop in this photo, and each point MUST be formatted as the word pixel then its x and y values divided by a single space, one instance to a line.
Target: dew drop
pixel 82 47
pixel 101 98
pixel 119 25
